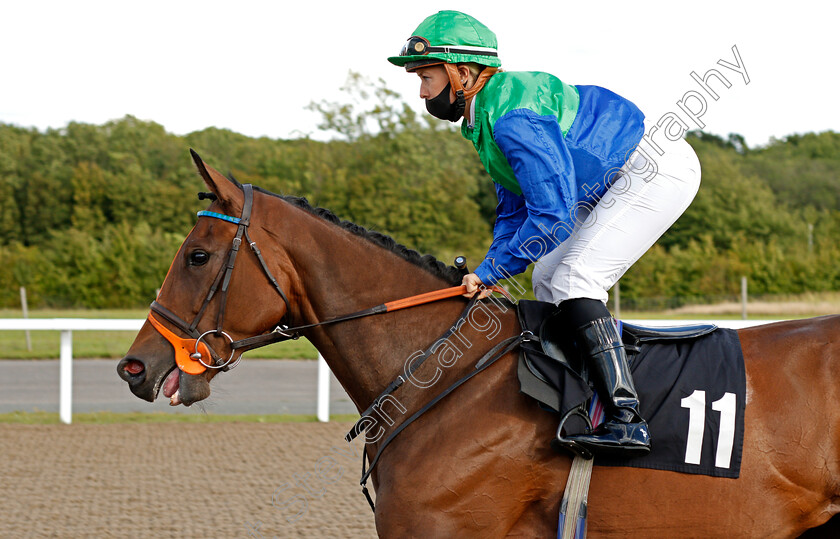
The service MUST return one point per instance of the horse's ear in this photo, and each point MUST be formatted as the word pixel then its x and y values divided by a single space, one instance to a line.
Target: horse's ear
pixel 227 192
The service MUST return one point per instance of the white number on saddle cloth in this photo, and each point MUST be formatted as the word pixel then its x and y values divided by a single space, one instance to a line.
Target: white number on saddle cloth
pixel 696 404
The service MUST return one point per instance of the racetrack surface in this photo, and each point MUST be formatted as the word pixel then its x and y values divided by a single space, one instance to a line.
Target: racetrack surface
pixel 181 480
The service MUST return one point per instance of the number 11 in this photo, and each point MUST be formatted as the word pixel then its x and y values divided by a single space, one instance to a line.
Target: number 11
pixel 696 404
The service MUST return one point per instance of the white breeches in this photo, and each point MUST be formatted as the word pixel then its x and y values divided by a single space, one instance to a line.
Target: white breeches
pixel 642 203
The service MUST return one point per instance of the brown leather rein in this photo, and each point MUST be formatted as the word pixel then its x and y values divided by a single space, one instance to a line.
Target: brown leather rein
pixel 190 353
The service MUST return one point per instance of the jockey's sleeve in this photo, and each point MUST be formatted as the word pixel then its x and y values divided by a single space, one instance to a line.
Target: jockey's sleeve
pixel 510 214
pixel 535 148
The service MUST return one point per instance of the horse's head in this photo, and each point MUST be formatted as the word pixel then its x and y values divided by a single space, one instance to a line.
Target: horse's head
pixel 205 303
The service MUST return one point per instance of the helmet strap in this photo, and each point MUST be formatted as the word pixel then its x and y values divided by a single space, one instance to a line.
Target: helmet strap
pixel 460 105
pixel 455 79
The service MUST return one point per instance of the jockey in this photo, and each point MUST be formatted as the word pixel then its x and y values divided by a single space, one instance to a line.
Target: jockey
pixel 581 194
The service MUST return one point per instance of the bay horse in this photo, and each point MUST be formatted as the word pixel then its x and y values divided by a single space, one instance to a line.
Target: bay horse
pixel 479 463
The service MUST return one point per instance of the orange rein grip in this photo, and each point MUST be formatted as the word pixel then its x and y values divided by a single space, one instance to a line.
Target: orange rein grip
pixel 183 349
pixel 435 295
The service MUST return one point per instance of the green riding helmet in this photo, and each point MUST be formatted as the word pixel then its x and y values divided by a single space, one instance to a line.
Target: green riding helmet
pixel 448 37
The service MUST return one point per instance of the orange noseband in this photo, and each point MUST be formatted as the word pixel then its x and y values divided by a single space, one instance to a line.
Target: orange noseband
pixel 184 348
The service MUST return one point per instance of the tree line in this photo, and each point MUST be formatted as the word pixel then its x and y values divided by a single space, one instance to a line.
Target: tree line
pixel 91 215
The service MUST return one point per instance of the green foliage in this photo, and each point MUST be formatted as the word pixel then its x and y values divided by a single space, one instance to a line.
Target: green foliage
pixel 802 170
pixel 729 202
pixel 383 110
pixel 122 267
pixel 751 218
pixel 91 216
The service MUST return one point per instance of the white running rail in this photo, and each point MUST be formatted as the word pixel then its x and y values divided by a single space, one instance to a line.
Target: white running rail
pixel 68 325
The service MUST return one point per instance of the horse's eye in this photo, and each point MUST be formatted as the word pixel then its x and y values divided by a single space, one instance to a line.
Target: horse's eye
pixel 198 258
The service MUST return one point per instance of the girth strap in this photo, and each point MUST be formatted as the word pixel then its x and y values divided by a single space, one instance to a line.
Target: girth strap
pixel 573 507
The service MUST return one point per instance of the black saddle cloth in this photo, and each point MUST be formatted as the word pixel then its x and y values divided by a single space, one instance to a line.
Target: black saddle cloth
pixel 691 389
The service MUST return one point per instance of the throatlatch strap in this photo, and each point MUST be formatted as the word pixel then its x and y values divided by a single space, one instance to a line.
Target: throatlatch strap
pixel 271 279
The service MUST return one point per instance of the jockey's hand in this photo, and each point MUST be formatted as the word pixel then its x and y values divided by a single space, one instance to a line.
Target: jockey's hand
pixel 473 283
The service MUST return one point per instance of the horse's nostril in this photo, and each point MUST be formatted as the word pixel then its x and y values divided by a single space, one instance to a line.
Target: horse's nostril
pixel 131 370
pixel 133 367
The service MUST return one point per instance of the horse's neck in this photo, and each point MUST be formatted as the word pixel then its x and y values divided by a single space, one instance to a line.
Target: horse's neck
pixel 345 274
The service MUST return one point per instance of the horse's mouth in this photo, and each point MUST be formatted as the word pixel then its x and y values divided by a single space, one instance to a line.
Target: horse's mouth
pixel 171 385
pixel 176 385
pixel 182 388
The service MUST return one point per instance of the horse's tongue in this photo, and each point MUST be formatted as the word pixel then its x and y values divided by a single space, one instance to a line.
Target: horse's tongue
pixel 170 385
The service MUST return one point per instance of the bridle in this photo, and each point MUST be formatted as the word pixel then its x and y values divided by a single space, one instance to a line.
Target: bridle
pixel 193 362
pixel 190 353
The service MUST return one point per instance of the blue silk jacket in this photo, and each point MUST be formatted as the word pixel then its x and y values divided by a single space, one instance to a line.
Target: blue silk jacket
pixel 550 147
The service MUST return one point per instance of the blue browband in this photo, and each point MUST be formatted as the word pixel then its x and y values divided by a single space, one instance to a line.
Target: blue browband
pixel 222 216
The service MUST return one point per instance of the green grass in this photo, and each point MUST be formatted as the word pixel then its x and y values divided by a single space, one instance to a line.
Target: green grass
pixel 107 418
pixel 110 344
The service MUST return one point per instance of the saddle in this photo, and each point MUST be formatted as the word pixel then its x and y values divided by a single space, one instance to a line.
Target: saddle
pixel 685 377
pixel 546 365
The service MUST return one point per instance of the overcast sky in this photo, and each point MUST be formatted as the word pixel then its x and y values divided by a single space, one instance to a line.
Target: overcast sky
pixel 253 66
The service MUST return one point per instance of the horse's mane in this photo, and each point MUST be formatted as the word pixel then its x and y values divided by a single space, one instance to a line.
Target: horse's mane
pixel 450 274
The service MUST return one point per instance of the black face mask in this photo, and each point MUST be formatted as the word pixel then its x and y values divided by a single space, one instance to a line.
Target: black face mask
pixel 440 107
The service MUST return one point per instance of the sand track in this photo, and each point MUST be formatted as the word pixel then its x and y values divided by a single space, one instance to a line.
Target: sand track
pixel 181 480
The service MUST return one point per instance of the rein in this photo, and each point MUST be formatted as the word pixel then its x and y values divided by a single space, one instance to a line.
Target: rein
pixel 283 333
pixel 193 362
pixel 190 353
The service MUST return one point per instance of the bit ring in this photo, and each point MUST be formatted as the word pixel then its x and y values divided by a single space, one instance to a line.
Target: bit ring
pixel 197 354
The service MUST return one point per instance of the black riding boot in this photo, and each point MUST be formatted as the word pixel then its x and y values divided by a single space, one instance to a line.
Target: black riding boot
pixel 624 432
